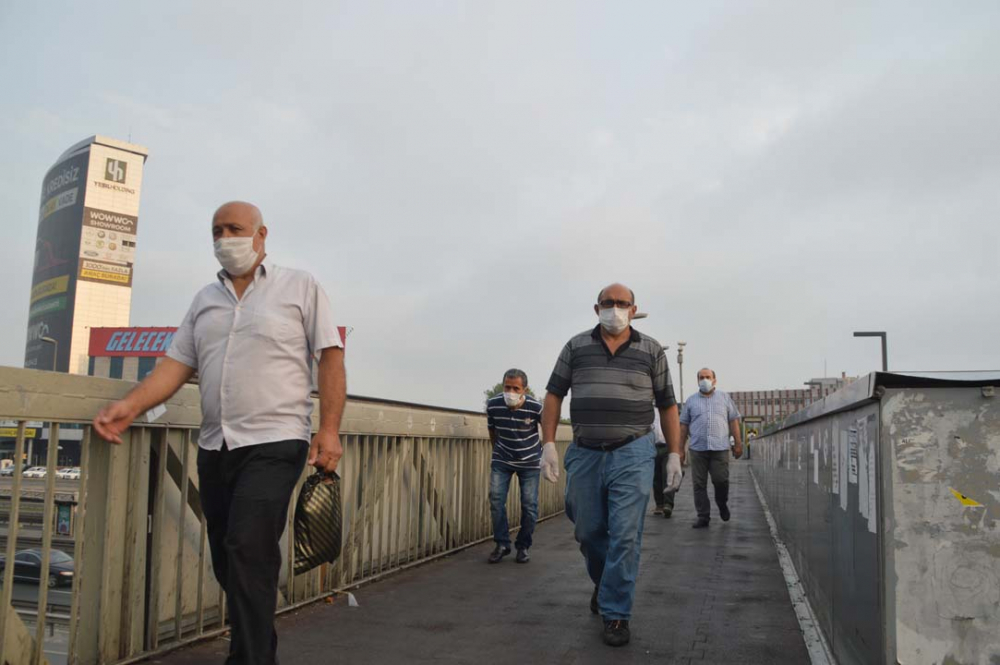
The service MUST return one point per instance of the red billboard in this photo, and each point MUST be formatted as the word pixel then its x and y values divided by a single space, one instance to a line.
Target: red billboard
pixel 121 342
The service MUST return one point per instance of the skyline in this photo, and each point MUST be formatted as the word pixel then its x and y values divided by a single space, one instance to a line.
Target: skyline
pixel 463 181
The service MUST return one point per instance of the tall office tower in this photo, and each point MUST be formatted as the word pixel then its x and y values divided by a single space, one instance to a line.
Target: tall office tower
pixel 85 251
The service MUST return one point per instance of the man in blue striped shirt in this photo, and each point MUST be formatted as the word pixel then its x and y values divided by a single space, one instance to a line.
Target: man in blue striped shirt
pixel 513 418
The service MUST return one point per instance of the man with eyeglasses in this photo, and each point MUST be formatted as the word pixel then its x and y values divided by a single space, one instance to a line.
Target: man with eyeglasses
pixel 618 376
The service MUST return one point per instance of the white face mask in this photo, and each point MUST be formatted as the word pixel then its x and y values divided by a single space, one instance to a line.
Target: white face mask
pixel 236 255
pixel 705 385
pixel 512 399
pixel 614 320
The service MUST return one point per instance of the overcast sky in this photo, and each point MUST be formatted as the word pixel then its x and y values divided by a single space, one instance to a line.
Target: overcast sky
pixel 464 177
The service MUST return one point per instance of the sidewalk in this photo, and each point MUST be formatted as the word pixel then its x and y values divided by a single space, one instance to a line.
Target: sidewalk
pixel 712 595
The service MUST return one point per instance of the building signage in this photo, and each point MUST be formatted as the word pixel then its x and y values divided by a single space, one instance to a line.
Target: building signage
pixel 153 342
pixel 53 284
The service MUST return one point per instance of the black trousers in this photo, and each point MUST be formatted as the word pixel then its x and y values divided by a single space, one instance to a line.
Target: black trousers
pixel 244 495
pixel 705 463
pixel 663 499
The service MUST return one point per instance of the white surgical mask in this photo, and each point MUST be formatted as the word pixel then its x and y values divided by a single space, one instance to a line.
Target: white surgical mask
pixel 705 385
pixel 512 399
pixel 614 320
pixel 236 255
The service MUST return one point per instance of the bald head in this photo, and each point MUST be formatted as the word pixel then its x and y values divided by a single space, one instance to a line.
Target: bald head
pixel 241 211
pixel 615 291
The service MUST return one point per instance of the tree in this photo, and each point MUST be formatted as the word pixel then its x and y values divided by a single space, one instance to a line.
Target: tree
pixel 489 393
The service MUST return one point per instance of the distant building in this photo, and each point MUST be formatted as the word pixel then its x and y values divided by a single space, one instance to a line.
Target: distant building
pixel 85 251
pixel 770 405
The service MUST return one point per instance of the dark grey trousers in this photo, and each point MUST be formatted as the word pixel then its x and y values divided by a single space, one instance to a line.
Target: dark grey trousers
pixel 663 499
pixel 714 463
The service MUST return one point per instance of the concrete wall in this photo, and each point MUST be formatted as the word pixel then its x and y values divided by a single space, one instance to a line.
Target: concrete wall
pixel 887 497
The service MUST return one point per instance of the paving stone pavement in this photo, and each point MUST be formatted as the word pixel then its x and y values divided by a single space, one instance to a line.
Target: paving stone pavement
pixel 713 595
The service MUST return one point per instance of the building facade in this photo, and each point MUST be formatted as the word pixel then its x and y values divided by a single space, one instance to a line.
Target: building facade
pixel 770 405
pixel 84 252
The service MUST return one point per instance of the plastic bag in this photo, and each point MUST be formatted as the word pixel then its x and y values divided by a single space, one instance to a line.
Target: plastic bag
pixel 318 522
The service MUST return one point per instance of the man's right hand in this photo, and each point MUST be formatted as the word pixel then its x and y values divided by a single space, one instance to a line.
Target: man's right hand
pixel 550 462
pixel 674 472
pixel 114 419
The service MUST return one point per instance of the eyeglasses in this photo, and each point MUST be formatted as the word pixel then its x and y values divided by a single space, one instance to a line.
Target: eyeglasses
pixel 620 304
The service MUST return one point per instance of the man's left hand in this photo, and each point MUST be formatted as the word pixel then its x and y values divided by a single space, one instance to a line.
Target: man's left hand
pixel 738 450
pixel 325 451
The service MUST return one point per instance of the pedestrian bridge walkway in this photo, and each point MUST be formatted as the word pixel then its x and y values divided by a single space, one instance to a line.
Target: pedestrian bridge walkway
pixel 713 595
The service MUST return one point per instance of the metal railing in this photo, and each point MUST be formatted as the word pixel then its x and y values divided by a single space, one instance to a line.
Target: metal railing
pixel 415 486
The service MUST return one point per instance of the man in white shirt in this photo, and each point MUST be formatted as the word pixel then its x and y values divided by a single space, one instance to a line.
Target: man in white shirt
pixel 251 336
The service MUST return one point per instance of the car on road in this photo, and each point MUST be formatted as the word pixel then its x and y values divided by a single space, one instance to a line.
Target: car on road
pixel 36 472
pixel 69 473
pixel 7 470
pixel 28 567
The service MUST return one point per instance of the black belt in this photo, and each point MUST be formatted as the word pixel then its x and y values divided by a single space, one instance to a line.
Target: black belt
pixel 606 446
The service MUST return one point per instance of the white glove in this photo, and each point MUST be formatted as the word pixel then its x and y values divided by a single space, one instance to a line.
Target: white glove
pixel 550 462
pixel 674 473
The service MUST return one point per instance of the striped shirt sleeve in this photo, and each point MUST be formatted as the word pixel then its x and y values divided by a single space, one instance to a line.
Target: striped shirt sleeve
pixel 663 386
pixel 562 373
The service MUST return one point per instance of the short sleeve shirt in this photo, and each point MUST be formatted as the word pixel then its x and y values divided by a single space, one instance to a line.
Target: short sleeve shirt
pixel 708 418
pixel 613 395
pixel 517 444
pixel 254 355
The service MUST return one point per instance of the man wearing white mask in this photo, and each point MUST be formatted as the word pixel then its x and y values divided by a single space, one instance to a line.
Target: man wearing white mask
pixel 251 336
pixel 513 418
pixel 710 417
pixel 618 376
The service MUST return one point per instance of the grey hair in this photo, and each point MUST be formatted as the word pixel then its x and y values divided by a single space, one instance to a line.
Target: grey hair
pixel 516 374
pixel 709 369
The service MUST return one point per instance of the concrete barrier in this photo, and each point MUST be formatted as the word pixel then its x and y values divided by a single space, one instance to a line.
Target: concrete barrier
pixel 887 496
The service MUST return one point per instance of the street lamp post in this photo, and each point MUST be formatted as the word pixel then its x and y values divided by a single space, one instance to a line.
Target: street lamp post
pixel 885 351
pixel 55 349
pixel 680 367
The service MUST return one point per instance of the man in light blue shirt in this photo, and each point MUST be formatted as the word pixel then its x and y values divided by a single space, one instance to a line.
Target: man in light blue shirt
pixel 710 417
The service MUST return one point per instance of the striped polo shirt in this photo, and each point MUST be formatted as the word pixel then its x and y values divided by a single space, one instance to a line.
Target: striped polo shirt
pixel 613 395
pixel 516 431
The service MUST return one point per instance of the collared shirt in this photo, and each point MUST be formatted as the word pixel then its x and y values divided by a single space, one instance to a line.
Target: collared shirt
pixel 708 418
pixel 613 395
pixel 516 431
pixel 254 356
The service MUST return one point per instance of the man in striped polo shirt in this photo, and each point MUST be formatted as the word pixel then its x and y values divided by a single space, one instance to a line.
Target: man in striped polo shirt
pixel 513 418
pixel 616 374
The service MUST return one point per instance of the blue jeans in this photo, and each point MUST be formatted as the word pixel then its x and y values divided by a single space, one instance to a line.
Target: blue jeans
pixel 499 485
pixel 606 497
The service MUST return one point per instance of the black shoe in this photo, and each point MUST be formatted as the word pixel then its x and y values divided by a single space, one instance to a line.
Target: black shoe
pixel 498 553
pixel 616 633
pixel 724 512
pixel 522 555
pixel 667 513
pixel 593 603
pixel 702 523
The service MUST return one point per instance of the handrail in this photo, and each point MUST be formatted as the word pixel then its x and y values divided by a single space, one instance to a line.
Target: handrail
pixel 415 487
